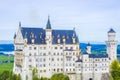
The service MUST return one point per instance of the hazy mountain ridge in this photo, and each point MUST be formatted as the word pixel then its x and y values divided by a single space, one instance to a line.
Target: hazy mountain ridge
pixel 96 48
pixel 6 42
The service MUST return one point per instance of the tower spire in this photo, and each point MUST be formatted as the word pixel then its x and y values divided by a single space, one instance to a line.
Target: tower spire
pixel 14 35
pixel 48 26
pixel 19 24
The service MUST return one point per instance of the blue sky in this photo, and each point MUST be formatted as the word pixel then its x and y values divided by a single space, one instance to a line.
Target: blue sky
pixel 91 18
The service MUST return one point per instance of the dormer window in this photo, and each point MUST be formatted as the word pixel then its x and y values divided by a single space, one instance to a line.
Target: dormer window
pixel 58 39
pixel 74 40
pixel 63 38
pixel 67 36
pixel 32 35
pixel 32 41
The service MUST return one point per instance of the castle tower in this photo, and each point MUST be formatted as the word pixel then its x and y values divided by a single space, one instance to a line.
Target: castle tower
pixel 88 48
pixel 48 32
pixel 111 45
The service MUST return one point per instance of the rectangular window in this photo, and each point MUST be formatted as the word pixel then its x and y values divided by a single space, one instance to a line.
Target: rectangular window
pixel 44 59
pixel 55 47
pixel 44 65
pixel 57 59
pixel 44 54
pixel 40 47
pixel 30 60
pixel 30 48
pixel 30 66
pixel 61 47
pixel 36 60
pixel 44 47
pixel 52 59
pixel 66 48
pixel 71 48
pixel 35 48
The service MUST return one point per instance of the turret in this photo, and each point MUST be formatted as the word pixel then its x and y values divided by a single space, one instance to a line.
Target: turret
pixel 111 35
pixel 74 36
pixel 25 38
pixel 14 35
pixel 88 48
pixel 111 45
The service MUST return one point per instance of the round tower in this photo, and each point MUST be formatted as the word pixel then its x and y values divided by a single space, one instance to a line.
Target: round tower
pixel 111 45
pixel 88 48
pixel 48 32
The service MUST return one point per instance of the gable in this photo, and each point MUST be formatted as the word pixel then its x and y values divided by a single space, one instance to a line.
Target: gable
pixel 19 37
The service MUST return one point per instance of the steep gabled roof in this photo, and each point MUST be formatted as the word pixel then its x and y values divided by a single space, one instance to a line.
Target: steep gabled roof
pixel 38 34
pixel 111 31
pixel 79 60
pixel 14 35
pixel 48 26
pixel 66 34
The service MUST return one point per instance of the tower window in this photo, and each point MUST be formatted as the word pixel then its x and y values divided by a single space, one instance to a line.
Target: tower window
pixel 34 48
pixel 30 48
pixel 55 47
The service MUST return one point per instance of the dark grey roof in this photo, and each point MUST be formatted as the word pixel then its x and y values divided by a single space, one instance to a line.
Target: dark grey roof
pixel 14 35
pixel 88 44
pixel 111 31
pixel 98 55
pixel 84 52
pixel 79 60
pixel 66 34
pixel 38 34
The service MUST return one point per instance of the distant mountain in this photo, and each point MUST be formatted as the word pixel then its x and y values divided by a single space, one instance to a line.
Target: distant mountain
pixel 97 48
pixel 92 42
pixel 6 47
pixel 6 42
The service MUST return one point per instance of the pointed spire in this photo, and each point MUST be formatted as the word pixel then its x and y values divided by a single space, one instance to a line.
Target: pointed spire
pixel 111 31
pixel 19 24
pixel 74 29
pixel 88 44
pixel 74 34
pixel 48 26
pixel 14 35
pixel 77 39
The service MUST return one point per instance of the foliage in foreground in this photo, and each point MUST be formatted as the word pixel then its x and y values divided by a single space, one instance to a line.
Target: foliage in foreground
pixel 6 67
pixel 6 75
pixel 59 76
pixel 115 70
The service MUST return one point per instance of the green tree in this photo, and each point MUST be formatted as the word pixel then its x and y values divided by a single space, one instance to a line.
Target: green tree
pixel 115 70
pixel 4 75
pixel 59 76
pixel 35 74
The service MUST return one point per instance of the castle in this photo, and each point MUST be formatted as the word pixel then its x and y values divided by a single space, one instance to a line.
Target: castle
pixel 57 51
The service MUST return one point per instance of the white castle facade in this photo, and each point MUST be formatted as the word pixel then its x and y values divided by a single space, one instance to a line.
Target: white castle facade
pixel 57 51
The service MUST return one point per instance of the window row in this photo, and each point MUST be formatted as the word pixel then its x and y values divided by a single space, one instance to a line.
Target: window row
pixel 92 60
pixel 43 48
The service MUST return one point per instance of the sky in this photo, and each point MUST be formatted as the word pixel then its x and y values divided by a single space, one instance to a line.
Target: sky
pixel 91 18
